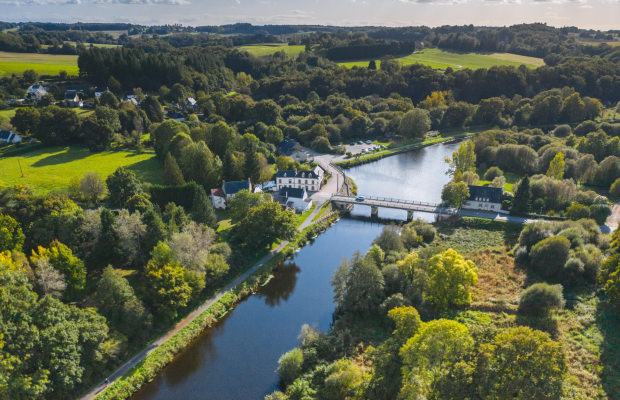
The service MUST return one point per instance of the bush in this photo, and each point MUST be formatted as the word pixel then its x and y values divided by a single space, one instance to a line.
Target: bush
pixel 493 173
pixel 290 366
pixel 562 131
pixel 182 195
pixel 540 299
pixel 549 255
pixel 424 229
pixel 614 189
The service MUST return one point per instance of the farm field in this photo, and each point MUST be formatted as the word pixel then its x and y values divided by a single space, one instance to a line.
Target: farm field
pixel 44 64
pixel 440 59
pixel 72 43
pixel 267 49
pixel 53 168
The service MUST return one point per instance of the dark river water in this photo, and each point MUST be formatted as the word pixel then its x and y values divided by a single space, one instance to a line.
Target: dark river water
pixel 237 358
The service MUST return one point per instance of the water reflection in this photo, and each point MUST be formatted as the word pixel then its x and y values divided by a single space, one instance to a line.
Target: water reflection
pixel 237 358
pixel 281 286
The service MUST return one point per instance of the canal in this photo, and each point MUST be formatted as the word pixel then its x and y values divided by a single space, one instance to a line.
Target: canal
pixel 237 358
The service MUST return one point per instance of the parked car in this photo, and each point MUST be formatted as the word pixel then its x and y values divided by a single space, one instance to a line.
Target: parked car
pixel 364 151
pixel 360 142
pixel 352 143
pixel 369 142
pixel 360 198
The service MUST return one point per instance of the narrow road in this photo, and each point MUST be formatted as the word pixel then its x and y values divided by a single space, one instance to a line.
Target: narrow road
pixel 613 220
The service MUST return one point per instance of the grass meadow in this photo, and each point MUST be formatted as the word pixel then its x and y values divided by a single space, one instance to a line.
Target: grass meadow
pixel 267 49
pixel 440 59
pixel 53 168
pixel 44 64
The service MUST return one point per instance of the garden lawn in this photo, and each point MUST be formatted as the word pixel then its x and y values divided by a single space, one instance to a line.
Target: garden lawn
pixel 44 64
pixel 440 59
pixel 53 168
pixel 267 49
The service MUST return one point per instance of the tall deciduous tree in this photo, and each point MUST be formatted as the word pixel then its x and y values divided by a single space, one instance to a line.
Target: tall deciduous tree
pixel 61 258
pixel 122 185
pixel 92 186
pixel 463 159
pixel 264 225
pixel 556 167
pixel 415 123
pixel 455 193
pixel 172 173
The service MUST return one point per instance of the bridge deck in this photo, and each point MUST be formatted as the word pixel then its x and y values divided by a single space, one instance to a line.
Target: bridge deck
pixel 407 205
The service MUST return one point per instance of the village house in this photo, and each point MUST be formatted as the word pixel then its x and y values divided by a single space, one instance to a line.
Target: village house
pixel 9 137
pixel 72 99
pixel 295 198
pixel 309 180
pixel 220 197
pixel 101 90
pixel 36 92
pixel 484 198
pixel 191 104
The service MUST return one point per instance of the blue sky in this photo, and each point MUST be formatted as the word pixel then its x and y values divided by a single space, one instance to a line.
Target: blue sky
pixel 597 14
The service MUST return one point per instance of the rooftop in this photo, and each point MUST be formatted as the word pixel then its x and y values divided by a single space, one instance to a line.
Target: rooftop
pixel 231 188
pixel 287 192
pixel 485 193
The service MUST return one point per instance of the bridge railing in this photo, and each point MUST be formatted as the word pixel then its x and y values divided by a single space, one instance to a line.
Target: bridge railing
pixel 392 200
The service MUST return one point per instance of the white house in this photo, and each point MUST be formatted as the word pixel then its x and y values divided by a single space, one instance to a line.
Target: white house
pixel 309 180
pixel 8 137
pixel 484 198
pixel 36 92
pixel 295 198
pixel 220 197
pixel 191 104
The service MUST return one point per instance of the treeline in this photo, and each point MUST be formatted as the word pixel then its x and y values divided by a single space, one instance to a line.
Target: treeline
pixel 356 52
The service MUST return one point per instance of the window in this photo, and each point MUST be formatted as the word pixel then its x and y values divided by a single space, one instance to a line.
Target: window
pixel 312 187
pixel 290 181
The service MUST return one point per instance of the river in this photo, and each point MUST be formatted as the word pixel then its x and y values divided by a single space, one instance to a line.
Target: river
pixel 237 358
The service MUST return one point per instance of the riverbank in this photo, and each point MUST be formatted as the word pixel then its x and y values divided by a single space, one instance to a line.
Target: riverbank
pixel 145 366
pixel 354 162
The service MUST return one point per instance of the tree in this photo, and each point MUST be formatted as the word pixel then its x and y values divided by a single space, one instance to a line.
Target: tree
pixel 358 285
pixel 242 202
pixel 274 135
pixel 11 235
pixel 463 159
pixel 290 366
pixel 431 354
pixel 573 108
pixel 540 299
pixel 521 201
pixel 389 240
pixel 26 120
pixel 92 186
pixel 172 173
pixel 153 109
pixel 372 65
pixel 449 280
pixel 49 280
pixel 155 230
pixel 549 256
pixel 122 184
pixel 407 322
pixel 455 193
pixel 522 363
pixel 30 76
pixel 117 301
pixel 203 211
pixel 199 165
pixel 61 258
pixel 415 123
pixel 556 167
pixel 164 133
pixel 103 124
pixel 168 288
pixel 264 225
pixel 108 99
pixel 614 189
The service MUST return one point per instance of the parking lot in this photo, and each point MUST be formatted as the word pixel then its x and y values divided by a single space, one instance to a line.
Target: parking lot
pixel 357 148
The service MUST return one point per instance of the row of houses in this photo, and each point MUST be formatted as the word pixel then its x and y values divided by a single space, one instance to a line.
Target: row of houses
pixel 292 189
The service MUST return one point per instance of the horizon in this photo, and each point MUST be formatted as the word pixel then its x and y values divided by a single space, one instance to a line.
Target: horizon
pixel 584 14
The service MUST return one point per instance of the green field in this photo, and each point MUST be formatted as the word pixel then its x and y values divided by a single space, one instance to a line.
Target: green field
pixel 72 43
pixel 267 49
pixel 441 59
pixel 44 64
pixel 53 168
pixel 6 115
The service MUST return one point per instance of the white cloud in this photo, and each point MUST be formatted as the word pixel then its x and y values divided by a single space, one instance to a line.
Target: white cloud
pixel 90 2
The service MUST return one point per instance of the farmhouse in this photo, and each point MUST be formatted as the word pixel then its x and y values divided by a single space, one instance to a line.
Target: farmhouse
pixel 8 137
pixel 220 197
pixel 101 90
pixel 191 104
pixel 36 92
pixel 72 99
pixel 309 180
pixel 295 198
pixel 484 198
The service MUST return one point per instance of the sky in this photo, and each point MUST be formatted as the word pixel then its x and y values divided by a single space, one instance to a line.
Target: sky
pixel 595 14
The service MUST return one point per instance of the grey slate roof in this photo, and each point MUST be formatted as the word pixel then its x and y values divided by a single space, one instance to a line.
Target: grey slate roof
pixel 287 192
pixel 286 146
pixel 485 193
pixel 298 174
pixel 231 188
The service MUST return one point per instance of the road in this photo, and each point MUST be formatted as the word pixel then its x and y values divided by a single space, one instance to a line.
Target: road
pixel 613 220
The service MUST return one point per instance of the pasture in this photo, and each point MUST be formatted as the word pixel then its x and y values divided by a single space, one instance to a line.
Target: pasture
pixel 267 49
pixel 44 64
pixel 53 168
pixel 440 59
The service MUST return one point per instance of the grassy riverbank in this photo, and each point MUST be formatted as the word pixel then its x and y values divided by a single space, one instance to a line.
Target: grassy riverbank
pixel 153 363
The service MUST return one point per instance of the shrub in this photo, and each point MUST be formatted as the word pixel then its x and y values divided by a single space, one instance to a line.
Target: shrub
pixel 493 173
pixel 614 189
pixel 424 229
pixel 562 131
pixel 290 365
pixel 549 255
pixel 540 299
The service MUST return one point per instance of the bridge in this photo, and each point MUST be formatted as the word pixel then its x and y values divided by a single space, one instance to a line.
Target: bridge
pixel 407 205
